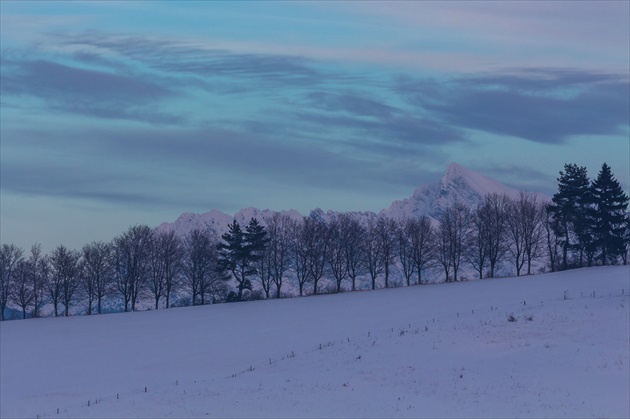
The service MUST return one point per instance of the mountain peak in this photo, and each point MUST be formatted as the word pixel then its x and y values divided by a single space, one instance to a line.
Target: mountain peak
pixel 458 185
pixel 458 177
pixel 454 169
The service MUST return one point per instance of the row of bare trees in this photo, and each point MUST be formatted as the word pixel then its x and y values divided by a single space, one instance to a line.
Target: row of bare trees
pixel 319 253
pixel 137 265
pixel 356 248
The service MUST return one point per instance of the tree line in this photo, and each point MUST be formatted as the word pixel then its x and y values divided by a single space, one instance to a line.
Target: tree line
pixel 585 223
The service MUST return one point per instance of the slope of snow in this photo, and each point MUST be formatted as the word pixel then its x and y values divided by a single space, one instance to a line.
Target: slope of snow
pixel 443 350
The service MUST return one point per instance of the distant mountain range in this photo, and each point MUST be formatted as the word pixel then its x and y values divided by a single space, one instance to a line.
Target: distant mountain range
pixel 458 184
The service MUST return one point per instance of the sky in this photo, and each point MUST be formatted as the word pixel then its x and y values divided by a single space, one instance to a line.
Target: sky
pixel 118 113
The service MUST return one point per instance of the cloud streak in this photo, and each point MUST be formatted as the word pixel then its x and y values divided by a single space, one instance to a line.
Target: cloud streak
pixel 540 106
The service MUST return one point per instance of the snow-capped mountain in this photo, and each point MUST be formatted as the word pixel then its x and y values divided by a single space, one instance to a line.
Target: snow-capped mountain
pixel 458 184
pixel 218 221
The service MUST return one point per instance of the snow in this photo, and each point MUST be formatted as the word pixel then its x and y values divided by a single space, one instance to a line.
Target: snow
pixel 219 221
pixel 458 185
pixel 424 351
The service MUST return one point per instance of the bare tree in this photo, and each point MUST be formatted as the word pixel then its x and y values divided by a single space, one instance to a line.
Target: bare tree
pixel 336 256
pixel 487 240
pixel 373 251
pixel 405 249
pixel 55 278
pixel 40 266
pixel 317 243
pixel 525 227
pixel 553 241
pixel 97 273
pixel 213 286
pixel 453 230
pixel 196 262
pixel 386 233
pixel 478 245
pixel 299 255
pixel 421 234
pixel 533 216
pixel 497 236
pixel 200 267
pixel 64 278
pixel 354 248
pixel 443 246
pixel 22 294
pixel 264 274
pixel 279 227
pixel 131 259
pixel 9 257
pixel 171 254
pixel 156 278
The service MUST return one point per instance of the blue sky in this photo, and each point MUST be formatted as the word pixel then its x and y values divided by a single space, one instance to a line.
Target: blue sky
pixel 116 113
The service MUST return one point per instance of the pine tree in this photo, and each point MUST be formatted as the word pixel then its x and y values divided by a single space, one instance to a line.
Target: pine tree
pixel 256 239
pixel 240 251
pixel 569 209
pixel 608 217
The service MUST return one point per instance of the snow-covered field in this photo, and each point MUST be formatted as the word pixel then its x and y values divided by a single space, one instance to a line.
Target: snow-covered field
pixel 429 351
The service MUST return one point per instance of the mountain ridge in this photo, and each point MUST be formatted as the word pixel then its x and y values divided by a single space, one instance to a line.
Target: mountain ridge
pixel 458 185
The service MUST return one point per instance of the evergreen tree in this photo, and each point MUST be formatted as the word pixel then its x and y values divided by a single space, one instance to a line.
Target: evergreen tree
pixel 256 239
pixel 569 210
pixel 239 252
pixel 608 216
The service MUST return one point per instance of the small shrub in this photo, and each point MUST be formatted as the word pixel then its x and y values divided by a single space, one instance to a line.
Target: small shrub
pixel 256 295
pixel 529 317
pixel 511 318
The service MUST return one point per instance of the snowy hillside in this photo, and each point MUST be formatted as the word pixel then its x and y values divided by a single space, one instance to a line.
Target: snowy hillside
pixel 445 350
pixel 458 184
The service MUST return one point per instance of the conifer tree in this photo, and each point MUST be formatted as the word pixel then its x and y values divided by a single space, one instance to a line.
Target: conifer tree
pixel 569 209
pixel 240 251
pixel 608 216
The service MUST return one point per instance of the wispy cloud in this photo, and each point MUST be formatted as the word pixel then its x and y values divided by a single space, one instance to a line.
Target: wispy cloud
pixel 547 106
pixel 82 91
